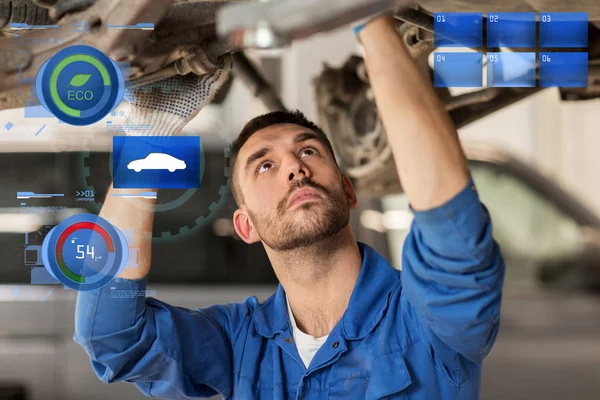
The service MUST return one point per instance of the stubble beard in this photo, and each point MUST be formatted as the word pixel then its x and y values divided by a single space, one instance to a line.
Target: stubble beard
pixel 322 219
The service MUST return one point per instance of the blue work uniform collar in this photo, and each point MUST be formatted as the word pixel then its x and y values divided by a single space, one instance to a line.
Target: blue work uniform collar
pixel 367 305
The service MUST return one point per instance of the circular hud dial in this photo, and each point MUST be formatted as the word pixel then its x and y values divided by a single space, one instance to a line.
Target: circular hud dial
pixel 85 252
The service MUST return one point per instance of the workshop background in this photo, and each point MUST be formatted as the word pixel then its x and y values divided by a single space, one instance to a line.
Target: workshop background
pixel 535 163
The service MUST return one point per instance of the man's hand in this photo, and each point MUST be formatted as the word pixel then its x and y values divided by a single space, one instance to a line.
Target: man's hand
pixel 168 105
pixel 430 162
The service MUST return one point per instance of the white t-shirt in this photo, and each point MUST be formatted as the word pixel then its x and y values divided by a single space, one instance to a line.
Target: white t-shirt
pixel 307 345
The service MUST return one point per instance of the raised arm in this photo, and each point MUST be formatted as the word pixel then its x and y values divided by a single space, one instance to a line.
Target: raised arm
pixel 168 352
pixel 132 214
pixel 430 162
pixel 452 269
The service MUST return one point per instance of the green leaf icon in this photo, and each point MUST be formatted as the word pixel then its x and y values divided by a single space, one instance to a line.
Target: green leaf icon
pixel 79 80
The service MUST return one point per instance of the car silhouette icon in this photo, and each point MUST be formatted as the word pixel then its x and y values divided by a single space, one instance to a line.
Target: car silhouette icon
pixel 157 161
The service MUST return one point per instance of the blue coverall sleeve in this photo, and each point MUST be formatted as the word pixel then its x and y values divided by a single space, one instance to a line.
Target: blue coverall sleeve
pixel 452 276
pixel 168 352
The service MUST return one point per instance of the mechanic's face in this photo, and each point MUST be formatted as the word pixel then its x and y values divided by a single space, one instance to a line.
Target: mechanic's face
pixel 273 166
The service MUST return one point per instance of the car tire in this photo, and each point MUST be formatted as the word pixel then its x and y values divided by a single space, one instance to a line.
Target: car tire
pixel 22 11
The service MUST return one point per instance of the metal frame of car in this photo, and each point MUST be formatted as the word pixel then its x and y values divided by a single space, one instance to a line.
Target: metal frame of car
pixel 185 41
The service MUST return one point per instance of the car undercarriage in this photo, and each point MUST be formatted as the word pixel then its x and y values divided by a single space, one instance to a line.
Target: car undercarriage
pixel 189 36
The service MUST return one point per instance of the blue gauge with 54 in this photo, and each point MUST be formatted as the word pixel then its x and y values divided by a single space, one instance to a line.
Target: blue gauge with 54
pixel 85 252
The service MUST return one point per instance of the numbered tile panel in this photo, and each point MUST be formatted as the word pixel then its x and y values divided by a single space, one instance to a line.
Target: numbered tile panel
pixel 458 30
pixel 562 30
pixel 563 69
pixel 511 70
pixel 458 69
pixel 514 30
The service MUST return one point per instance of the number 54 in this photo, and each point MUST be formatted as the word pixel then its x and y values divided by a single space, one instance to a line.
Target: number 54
pixel 80 251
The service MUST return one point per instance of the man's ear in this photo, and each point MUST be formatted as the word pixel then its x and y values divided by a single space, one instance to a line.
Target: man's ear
pixel 349 191
pixel 243 226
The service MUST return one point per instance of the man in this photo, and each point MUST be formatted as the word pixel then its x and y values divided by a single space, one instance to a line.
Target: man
pixel 343 324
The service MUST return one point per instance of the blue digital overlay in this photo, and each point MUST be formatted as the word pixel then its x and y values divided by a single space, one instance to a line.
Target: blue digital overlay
pixel 565 29
pixel 41 276
pixel 454 29
pixel 34 109
pixel 22 25
pixel 511 29
pixel 511 70
pixel 162 162
pixel 458 69
pixel 142 25
pixel 564 69
pixel 80 85
pixel 84 252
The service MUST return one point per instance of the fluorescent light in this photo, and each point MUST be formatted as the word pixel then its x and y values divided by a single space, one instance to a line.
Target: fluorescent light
pixel 21 220
pixel 372 220
pixel 397 219
pixel 21 223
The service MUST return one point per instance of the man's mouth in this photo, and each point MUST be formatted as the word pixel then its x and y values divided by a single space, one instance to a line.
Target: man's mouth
pixel 302 195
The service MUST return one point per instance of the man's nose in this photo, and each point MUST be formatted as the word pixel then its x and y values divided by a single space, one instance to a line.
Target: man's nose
pixel 296 169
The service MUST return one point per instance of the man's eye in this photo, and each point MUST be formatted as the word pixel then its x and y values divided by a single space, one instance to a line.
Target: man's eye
pixel 308 150
pixel 267 164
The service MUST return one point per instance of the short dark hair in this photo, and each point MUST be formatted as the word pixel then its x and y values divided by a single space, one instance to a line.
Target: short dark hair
pixel 263 121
